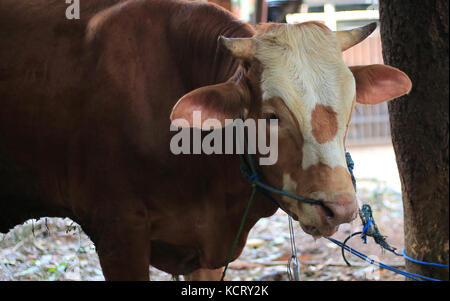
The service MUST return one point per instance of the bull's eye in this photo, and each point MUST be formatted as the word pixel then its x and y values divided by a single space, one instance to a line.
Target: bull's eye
pixel 272 116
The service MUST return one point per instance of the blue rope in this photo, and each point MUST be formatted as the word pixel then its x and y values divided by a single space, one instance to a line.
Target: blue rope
pixel 253 177
pixel 363 234
pixel 422 262
pixel 380 264
pixel 350 167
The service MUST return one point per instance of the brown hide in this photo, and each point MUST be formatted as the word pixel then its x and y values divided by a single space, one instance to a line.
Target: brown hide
pixel 224 3
pixel 84 130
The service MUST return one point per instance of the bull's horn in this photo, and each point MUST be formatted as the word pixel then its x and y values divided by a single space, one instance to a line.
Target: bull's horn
pixel 244 48
pixel 349 38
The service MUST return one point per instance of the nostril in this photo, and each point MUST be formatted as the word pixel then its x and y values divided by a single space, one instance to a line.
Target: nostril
pixel 342 209
pixel 328 212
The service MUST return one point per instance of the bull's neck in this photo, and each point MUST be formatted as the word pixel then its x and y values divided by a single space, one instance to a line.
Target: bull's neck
pixel 199 57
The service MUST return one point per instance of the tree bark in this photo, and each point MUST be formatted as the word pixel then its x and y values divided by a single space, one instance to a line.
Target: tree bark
pixel 415 39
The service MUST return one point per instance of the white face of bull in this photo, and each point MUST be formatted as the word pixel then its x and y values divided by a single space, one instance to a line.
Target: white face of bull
pixel 303 81
pixel 302 66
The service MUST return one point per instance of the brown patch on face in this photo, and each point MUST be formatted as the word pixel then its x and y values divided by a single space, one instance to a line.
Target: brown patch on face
pixel 287 123
pixel 324 123
pixel 323 178
pixel 290 141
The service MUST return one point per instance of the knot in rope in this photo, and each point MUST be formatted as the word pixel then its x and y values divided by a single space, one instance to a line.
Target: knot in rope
pixel 350 167
pixel 363 234
pixel 253 178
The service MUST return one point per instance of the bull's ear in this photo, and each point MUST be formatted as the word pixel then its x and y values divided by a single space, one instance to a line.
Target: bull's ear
pixel 379 83
pixel 217 102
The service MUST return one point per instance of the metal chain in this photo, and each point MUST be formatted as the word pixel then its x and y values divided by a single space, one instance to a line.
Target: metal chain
pixel 293 266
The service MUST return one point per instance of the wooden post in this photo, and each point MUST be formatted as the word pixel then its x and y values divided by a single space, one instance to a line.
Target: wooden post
pixel 261 11
pixel 414 36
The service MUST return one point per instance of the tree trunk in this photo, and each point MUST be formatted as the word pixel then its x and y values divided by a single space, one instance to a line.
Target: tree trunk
pixel 415 39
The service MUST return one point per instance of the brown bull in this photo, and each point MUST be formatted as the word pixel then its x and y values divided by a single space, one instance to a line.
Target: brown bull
pixel 85 113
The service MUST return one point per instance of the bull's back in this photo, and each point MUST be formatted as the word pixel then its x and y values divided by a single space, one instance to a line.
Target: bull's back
pixel 81 100
pixel 41 70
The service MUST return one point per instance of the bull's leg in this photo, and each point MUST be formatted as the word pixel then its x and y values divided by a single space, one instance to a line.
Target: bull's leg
pixel 204 275
pixel 124 251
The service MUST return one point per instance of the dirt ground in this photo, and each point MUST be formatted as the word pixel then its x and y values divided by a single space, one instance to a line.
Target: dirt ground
pixel 57 249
